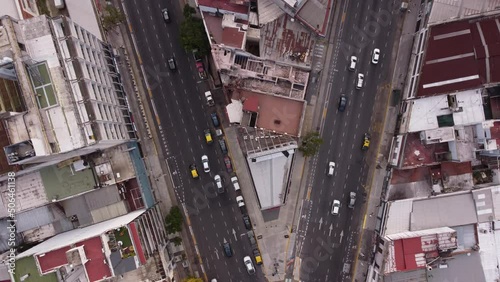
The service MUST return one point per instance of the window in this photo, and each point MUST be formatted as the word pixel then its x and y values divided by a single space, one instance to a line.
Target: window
pixel 42 84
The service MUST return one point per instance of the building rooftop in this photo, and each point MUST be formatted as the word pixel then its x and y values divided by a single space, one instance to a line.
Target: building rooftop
pixel 437 111
pixel 278 114
pixel 416 153
pixel 28 265
pixel 83 13
pixel 233 37
pixel 225 5
pixel 316 15
pixel 461 55
pixel 287 41
pixel 268 11
pixel 446 210
pixel 78 235
pixel 61 183
pixel 443 10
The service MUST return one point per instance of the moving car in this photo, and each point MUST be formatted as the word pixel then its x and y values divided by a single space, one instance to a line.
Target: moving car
pixel 342 102
pixel 228 251
pixel 208 136
pixel 249 265
pixel 352 64
pixel 257 256
pixel 171 64
pixel 375 56
pixel 215 119
pixel 210 99
pixel 204 161
pixel 335 207
pixel 194 171
pixel 218 183
pixel 247 222
pixel 331 168
pixel 166 15
pixel 366 142
pixel 236 185
pixel 227 162
pixel 360 80
pixel 352 200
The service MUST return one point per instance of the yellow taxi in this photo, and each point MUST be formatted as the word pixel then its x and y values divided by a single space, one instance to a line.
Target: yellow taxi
pixel 194 171
pixel 208 136
pixel 366 142
pixel 257 256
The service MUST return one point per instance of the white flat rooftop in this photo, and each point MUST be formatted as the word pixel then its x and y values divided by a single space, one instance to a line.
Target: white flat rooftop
pixel 270 171
pixel 425 111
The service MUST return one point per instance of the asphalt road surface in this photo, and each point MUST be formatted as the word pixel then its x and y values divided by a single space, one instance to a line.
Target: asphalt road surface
pixel 329 246
pixel 180 104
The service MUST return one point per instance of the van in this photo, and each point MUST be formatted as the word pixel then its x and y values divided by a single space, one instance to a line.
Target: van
pixel 171 64
pixel 360 80
pixel 352 64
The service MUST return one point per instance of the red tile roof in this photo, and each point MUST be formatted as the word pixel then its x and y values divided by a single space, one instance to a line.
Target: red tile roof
pixel 453 168
pixel 96 268
pixel 461 55
pixel 137 243
pixel 233 37
pixel 224 5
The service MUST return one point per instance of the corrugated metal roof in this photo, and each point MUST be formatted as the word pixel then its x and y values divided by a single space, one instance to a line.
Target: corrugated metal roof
pixel 268 11
pixel 443 10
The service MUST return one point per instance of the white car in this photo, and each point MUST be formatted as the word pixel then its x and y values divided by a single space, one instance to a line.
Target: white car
pixel 331 168
pixel 335 207
pixel 218 183
pixel 210 99
pixel 236 185
pixel 360 80
pixel 240 201
pixel 249 265
pixel 352 64
pixel 375 56
pixel 204 161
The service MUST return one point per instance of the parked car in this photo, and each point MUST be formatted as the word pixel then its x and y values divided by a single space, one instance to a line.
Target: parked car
pixel 215 119
pixel 222 145
pixel 366 142
pixel 235 182
pixel 257 256
pixel 201 70
pixel 247 222
pixel 209 98
pixel 227 162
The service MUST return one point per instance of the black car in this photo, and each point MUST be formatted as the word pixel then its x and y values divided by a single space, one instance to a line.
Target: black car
pixel 228 251
pixel 247 222
pixel 166 15
pixel 342 103
pixel 223 146
pixel 215 119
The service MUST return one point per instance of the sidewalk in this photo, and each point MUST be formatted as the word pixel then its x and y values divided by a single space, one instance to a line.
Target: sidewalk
pixel 367 242
pixel 159 174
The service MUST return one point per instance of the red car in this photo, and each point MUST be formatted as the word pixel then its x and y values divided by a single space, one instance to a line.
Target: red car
pixel 227 161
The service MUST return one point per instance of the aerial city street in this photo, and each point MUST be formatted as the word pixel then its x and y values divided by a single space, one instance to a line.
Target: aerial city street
pixel 249 140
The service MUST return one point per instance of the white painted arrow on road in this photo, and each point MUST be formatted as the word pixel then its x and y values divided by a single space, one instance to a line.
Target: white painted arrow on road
pixel 341 235
pixel 234 233
pixel 320 223
pixel 331 228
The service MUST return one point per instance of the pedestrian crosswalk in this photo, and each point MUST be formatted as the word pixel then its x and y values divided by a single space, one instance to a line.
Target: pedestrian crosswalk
pixel 319 52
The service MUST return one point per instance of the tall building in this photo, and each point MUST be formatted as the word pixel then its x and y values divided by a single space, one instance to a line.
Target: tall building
pixel 60 92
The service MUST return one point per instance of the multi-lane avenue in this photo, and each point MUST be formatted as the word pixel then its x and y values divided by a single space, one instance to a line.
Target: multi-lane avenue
pixel 184 115
pixel 328 248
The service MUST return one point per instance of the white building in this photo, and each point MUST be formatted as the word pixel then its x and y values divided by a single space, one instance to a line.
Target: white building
pixel 69 94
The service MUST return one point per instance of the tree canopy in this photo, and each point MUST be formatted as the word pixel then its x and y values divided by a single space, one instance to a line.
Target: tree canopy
pixel 192 33
pixel 311 144
pixel 174 220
